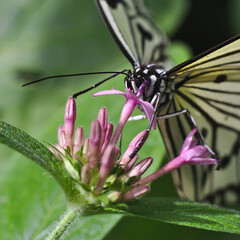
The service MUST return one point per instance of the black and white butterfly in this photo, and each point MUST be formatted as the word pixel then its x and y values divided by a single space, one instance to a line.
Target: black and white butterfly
pixel 208 86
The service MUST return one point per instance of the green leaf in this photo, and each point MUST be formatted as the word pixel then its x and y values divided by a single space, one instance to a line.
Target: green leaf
pixel 31 148
pixel 185 213
pixel 31 203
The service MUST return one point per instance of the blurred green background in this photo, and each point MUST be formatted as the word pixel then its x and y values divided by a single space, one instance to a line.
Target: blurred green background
pixel 40 38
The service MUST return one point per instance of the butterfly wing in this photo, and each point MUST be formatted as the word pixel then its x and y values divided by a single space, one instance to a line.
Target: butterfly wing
pixel 134 31
pixel 209 87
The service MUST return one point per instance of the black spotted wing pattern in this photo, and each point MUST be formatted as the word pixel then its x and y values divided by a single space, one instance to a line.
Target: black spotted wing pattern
pixel 209 87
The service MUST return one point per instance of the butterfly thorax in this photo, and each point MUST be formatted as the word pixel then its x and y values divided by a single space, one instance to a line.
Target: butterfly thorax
pixel 154 76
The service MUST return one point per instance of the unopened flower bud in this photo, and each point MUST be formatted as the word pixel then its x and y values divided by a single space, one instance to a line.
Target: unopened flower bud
pixel 114 196
pixel 95 141
pixel 108 136
pixel 135 192
pixel 86 150
pixel 69 121
pixel 61 136
pixel 78 141
pixel 129 166
pixel 108 160
pixel 126 159
pixel 103 120
pixel 86 174
pixel 141 167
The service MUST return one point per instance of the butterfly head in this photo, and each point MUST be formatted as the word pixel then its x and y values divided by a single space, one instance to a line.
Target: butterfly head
pixel 152 75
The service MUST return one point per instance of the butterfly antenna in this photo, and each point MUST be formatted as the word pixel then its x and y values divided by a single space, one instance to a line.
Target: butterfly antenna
pixel 74 75
pixel 99 83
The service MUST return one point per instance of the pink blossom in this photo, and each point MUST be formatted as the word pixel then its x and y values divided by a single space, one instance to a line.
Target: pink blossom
pixel 95 162
pixel 191 154
pixel 131 101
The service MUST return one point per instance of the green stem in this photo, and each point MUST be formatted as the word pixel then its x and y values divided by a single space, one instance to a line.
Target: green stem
pixel 62 226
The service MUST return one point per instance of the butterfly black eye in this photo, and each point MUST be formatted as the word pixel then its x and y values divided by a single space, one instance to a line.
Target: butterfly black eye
pixel 133 81
pixel 139 80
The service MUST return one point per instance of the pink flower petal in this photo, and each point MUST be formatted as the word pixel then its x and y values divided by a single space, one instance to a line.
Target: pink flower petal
pixel 188 140
pixel 202 161
pixel 146 106
pixel 109 92
pixel 149 110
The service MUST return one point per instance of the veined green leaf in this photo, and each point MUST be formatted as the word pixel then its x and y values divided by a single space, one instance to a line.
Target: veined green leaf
pixel 191 214
pixel 33 149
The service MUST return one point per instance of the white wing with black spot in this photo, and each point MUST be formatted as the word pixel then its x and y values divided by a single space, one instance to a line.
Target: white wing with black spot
pixel 209 87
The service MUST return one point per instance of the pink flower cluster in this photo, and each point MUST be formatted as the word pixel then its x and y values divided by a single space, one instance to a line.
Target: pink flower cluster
pixel 95 162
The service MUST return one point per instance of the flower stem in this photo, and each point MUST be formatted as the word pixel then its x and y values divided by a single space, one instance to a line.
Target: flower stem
pixel 170 166
pixel 62 226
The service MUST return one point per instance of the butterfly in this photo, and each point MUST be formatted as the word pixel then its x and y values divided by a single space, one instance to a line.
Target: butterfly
pixel 207 86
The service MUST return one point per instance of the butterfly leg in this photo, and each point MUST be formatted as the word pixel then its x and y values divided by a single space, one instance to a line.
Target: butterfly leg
pixel 198 130
pixel 120 144
pixel 172 114
pixel 203 141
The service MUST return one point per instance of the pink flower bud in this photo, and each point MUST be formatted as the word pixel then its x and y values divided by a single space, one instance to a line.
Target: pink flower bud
pixel 126 159
pixel 135 192
pixel 141 167
pixel 61 137
pixel 129 166
pixel 95 141
pixel 86 174
pixel 69 121
pixel 103 120
pixel 78 141
pixel 108 160
pixel 108 136
pixel 86 150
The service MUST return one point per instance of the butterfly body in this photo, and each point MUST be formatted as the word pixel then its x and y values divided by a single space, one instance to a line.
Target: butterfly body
pixel 207 86
pixel 156 82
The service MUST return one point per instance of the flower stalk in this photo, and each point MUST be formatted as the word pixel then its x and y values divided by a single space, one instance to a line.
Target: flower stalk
pixel 65 222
